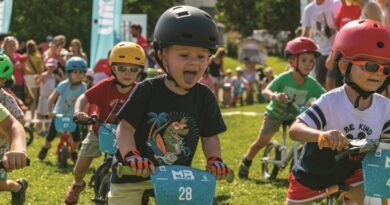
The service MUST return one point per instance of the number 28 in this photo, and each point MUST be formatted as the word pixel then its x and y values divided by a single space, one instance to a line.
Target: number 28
pixel 185 193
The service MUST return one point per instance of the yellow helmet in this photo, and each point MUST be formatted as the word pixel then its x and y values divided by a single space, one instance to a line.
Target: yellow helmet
pixel 127 52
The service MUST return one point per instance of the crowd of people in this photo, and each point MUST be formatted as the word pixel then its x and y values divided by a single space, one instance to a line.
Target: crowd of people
pixel 50 80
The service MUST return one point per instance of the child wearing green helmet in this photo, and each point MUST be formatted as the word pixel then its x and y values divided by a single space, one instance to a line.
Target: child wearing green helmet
pixel 65 96
pixel 8 123
pixel 184 38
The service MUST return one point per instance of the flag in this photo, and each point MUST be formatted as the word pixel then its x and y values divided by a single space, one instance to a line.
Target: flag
pixel 5 15
pixel 105 32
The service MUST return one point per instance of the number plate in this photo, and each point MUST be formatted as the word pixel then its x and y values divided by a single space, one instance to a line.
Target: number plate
pixel 107 138
pixel 376 172
pixel 64 124
pixel 176 185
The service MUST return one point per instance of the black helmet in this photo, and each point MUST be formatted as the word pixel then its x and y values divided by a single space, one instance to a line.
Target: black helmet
pixel 188 26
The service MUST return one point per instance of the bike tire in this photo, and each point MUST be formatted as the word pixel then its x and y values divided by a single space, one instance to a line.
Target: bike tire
pixel 104 188
pixel 272 151
pixel 100 172
pixel 63 156
pixel 29 135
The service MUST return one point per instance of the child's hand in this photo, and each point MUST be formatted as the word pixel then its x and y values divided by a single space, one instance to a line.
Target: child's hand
pixel 216 166
pixel 81 116
pixel 333 139
pixel 50 115
pixel 281 97
pixel 14 160
pixel 141 166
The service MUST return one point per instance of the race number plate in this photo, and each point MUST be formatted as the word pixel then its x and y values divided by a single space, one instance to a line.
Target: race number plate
pixel 64 124
pixel 177 185
pixel 376 172
pixel 107 138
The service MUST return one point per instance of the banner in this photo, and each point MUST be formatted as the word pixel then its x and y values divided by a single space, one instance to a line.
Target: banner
pixel 5 15
pixel 105 32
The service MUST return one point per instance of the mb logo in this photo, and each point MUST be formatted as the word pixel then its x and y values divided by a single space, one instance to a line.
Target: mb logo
pixel 183 175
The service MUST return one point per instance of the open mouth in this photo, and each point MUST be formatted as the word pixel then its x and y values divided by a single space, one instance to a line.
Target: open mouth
pixel 189 76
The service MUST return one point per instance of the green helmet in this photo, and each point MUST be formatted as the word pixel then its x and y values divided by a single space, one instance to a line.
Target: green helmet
pixel 187 26
pixel 6 67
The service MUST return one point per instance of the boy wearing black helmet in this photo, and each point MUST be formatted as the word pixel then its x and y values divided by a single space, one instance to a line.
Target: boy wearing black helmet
pixel 164 117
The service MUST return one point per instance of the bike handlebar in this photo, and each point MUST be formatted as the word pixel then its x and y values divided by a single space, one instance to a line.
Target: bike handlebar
pixel 90 121
pixel 124 170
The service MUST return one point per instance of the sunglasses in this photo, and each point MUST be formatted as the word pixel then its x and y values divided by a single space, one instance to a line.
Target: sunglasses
pixel 126 69
pixel 372 67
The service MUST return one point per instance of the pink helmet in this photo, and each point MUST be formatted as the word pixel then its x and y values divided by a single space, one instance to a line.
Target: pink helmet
pixel 363 39
pixel 301 45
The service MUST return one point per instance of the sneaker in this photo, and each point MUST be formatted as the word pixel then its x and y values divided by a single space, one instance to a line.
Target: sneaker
pixel 73 156
pixel 73 194
pixel 19 197
pixel 43 153
pixel 243 171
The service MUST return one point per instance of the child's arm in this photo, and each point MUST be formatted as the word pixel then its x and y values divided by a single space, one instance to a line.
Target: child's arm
pixel 335 139
pixel 130 155
pixel 52 99
pixel 271 95
pixel 16 157
pixel 212 151
pixel 79 113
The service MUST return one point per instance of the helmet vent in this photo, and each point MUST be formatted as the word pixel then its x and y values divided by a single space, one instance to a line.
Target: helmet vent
pixel 362 21
pixel 376 25
pixel 177 7
pixel 186 35
pixel 138 47
pixel 1 59
pixel 380 44
pixel 208 16
pixel 6 68
pixel 136 58
pixel 122 56
pixel 183 14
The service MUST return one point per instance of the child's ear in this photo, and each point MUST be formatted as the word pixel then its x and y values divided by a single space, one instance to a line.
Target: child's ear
pixel 341 65
pixel 291 60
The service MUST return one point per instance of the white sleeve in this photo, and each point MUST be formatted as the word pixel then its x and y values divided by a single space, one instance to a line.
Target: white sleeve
pixel 386 126
pixel 305 21
pixel 315 116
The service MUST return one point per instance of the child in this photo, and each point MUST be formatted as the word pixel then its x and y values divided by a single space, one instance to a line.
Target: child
pixel 353 111
pixel 264 81
pixel 295 84
pixel 127 61
pixel 13 156
pixel 171 112
pixel 65 96
pixel 227 87
pixel 207 80
pixel 47 84
pixel 239 83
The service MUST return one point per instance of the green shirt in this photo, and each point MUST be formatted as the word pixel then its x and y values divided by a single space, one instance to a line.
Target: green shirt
pixel 4 113
pixel 285 83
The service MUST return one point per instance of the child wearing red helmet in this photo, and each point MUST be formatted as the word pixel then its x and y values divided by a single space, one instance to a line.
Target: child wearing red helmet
pixel 352 111
pixel 293 84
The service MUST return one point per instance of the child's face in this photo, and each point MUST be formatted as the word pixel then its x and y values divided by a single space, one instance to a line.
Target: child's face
pixel 306 62
pixel 186 64
pixel 369 81
pixel 76 76
pixel 126 73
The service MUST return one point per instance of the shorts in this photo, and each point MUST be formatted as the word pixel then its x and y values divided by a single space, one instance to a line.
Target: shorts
pixel 299 193
pixel 43 104
pixel 217 80
pixel 90 146
pixel 270 126
pixel 128 193
pixel 320 69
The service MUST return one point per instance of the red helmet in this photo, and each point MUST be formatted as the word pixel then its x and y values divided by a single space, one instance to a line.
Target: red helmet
pixel 301 45
pixel 365 39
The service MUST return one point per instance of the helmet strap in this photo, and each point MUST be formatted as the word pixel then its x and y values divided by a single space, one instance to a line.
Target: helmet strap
pixel 361 93
pixel 296 68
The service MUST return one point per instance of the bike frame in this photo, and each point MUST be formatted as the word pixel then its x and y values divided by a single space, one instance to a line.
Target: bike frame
pixel 286 155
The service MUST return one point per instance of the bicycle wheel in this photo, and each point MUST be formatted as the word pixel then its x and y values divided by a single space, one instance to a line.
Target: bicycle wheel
pixel 103 190
pixel 63 156
pixel 271 152
pixel 29 135
pixel 100 172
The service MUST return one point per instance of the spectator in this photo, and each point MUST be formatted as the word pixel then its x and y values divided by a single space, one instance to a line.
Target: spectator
pixel 10 45
pixel 385 7
pixel 370 9
pixel 252 79
pixel 45 45
pixel 347 13
pixel 76 49
pixel 216 69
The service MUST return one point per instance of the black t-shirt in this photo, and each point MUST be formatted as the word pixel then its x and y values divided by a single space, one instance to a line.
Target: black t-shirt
pixel 168 125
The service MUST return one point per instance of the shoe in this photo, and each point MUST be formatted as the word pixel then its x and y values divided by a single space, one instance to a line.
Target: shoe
pixel 43 153
pixel 73 194
pixel 19 197
pixel 243 171
pixel 73 156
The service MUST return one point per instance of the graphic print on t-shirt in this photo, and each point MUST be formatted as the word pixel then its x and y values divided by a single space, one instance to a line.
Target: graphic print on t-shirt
pixel 172 137
pixel 115 106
